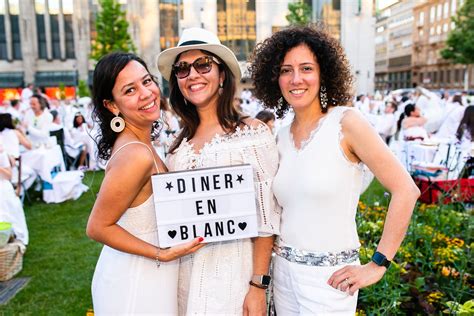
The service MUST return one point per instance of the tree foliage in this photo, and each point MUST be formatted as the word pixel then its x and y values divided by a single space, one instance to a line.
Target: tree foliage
pixel 299 13
pixel 460 43
pixel 83 89
pixel 112 30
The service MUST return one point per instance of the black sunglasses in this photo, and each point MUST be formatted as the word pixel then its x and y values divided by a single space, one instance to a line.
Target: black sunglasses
pixel 202 65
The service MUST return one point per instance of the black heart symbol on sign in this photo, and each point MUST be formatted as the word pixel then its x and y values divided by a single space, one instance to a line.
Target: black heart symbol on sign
pixel 172 233
pixel 242 225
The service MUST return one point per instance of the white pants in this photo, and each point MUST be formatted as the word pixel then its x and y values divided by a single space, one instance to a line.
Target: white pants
pixel 303 290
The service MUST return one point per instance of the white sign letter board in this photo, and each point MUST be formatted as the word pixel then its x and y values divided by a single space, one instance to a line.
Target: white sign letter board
pixel 215 203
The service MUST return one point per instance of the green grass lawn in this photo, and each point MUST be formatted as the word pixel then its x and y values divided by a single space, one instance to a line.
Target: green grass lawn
pixel 60 259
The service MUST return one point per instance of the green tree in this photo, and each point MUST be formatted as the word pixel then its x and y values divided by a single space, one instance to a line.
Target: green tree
pixel 112 30
pixel 62 91
pixel 83 89
pixel 299 13
pixel 460 43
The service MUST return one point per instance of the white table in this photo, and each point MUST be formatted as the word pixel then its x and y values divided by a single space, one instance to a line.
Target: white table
pixel 45 161
pixel 420 152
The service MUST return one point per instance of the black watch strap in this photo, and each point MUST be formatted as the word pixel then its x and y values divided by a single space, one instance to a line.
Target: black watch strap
pixel 381 260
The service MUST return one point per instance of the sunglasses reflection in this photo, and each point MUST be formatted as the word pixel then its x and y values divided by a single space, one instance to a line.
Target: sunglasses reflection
pixel 202 65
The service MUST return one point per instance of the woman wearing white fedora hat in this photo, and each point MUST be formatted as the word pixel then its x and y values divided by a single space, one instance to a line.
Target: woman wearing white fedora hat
pixel 223 277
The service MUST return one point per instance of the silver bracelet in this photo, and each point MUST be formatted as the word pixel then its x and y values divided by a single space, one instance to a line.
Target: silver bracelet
pixel 157 260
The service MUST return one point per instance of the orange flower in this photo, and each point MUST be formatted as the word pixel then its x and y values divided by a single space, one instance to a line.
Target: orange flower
pixel 445 271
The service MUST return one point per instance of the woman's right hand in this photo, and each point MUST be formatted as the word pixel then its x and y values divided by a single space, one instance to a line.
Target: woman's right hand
pixel 175 252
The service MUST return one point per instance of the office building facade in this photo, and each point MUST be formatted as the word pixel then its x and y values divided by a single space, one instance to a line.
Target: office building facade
pixel 48 42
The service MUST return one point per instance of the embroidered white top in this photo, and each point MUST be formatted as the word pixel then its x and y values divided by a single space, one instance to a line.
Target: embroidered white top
pixel 318 189
pixel 215 279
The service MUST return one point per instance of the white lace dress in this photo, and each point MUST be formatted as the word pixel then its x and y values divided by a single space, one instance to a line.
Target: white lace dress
pixel 215 279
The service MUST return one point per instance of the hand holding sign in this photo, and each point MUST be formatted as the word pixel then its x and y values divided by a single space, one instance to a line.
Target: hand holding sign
pixel 215 203
pixel 173 253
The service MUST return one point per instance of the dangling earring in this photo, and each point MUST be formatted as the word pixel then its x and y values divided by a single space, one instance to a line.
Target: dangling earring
pixel 280 103
pixel 117 124
pixel 221 88
pixel 185 101
pixel 323 97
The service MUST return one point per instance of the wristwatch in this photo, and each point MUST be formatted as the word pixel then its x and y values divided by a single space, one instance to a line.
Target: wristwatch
pixel 380 260
pixel 261 279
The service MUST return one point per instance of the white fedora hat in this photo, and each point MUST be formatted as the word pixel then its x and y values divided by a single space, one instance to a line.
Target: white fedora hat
pixel 197 38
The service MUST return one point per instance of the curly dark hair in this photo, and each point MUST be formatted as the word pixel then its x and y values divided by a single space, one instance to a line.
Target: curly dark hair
pixel 229 117
pixel 334 66
pixel 105 74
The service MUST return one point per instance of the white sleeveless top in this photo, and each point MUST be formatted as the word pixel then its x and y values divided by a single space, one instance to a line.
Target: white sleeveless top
pixel 318 189
pixel 126 284
pixel 140 219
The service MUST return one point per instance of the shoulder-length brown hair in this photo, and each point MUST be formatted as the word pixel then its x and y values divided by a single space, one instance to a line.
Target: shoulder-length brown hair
pixel 267 57
pixel 229 117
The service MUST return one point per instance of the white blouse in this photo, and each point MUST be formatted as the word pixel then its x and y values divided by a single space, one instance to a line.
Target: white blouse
pixel 215 279
pixel 255 146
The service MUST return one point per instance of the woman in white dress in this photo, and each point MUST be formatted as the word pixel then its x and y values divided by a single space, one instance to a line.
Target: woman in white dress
pixel 225 277
pixel 411 124
pixel 133 275
pixel 317 269
pixel 81 134
pixel 11 209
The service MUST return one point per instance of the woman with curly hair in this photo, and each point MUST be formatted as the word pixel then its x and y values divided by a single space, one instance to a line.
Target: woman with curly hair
pixel 318 183
pixel 133 275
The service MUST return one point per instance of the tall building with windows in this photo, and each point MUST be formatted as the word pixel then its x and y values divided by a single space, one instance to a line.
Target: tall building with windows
pixel 10 44
pixel 394 45
pixel 43 41
pixel 48 42
pixel 381 52
pixel 430 31
pixel 357 38
pixel 241 24
pixel 236 26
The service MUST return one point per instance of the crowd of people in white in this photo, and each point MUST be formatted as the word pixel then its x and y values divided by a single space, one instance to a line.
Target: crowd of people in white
pixel 46 143
pixel 424 129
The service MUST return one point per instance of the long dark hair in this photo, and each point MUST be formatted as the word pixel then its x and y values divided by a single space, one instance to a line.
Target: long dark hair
pixel 267 57
pixel 409 108
pixel 229 117
pixel 105 74
pixel 6 121
pixel 75 123
pixel 467 123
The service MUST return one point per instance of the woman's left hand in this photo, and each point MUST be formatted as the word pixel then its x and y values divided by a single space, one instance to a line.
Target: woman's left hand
pixel 255 302
pixel 352 278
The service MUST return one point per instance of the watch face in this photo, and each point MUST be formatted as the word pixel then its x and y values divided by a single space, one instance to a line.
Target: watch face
pixel 266 279
pixel 380 259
